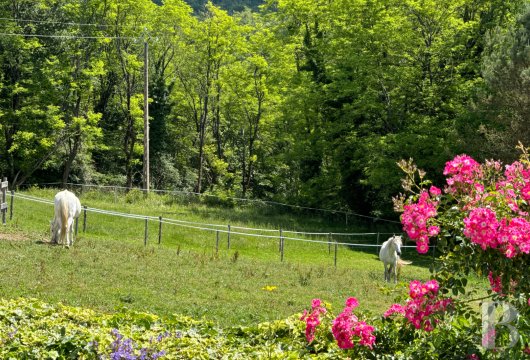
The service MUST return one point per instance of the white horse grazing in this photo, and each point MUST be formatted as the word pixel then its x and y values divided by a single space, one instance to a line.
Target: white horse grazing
pixel 390 256
pixel 67 208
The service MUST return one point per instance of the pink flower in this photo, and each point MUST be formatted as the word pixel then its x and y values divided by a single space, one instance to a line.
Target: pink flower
pixel 422 305
pixel 434 191
pixel 312 319
pixel 463 172
pixel 316 303
pixel 416 218
pixel 481 227
pixel 352 302
pixel 422 247
pixel 496 283
pixel 398 308
pixel 525 192
pixel 364 332
pixel 342 329
pixel 346 328
pixel 415 288
pixel 427 325
pixel 433 230
pixel 432 286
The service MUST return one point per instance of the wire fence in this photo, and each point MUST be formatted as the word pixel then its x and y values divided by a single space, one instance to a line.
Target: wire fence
pixel 366 241
pixel 190 196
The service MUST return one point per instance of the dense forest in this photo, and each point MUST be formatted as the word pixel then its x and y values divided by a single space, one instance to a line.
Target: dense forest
pixel 229 5
pixel 310 102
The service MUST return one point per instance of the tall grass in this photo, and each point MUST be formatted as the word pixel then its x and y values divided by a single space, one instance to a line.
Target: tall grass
pixel 109 266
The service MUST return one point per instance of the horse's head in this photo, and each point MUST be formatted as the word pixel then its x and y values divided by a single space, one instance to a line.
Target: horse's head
pixel 396 240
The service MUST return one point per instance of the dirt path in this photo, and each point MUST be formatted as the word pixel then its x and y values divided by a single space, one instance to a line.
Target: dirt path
pixel 14 237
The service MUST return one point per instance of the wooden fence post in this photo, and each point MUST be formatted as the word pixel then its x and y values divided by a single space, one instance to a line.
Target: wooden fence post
pixel 216 242
pixel 377 247
pixel 3 203
pixel 228 240
pixel 146 233
pixel 282 243
pixel 329 243
pixel 11 205
pixel 84 218
pixel 336 248
pixel 159 230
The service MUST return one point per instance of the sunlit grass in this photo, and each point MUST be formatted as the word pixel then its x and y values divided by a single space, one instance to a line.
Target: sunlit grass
pixel 109 266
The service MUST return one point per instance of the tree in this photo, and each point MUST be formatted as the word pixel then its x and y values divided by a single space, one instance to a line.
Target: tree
pixel 32 125
pixel 123 113
pixel 169 145
pixel 504 104
pixel 209 50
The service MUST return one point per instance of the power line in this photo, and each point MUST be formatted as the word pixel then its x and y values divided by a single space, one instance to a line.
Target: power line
pixel 68 23
pixel 71 36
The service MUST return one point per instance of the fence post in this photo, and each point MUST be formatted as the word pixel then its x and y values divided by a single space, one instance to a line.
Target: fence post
pixel 11 205
pixel 228 241
pixel 336 247
pixel 84 219
pixel 282 243
pixel 346 219
pixel 216 241
pixel 146 233
pixel 76 225
pixel 3 204
pixel 377 247
pixel 159 230
pixel 329 243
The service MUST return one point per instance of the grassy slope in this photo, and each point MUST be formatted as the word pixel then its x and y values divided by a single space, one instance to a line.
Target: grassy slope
pixel 109 267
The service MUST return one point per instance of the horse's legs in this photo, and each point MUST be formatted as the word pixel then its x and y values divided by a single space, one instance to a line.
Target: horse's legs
pixel 394 272
pixel 69 233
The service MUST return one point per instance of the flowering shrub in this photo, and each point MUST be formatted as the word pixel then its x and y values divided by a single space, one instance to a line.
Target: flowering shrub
pixel 416 218
pixel 480 224
pixel 312 319
pixel 422 306
pixel 346 328
pixel 480 217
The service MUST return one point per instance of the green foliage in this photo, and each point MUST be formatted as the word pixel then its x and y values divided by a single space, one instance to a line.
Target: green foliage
pixel 501 105
pixel 306 102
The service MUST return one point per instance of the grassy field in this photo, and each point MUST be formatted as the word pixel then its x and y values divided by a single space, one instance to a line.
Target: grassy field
pixel 109 267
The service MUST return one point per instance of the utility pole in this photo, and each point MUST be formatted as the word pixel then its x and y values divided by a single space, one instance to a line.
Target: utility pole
pixel 146 117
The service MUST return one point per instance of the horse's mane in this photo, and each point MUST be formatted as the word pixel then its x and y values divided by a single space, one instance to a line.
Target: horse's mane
pixel 397 239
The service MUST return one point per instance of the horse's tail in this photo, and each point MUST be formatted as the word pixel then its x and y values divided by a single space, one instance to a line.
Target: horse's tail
pixel 403 262
pixel 64 218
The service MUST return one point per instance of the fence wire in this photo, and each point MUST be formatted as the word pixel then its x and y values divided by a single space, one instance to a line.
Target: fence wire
pixel 226 229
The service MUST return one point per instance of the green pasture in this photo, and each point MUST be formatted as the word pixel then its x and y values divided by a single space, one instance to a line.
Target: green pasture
pixel 109 266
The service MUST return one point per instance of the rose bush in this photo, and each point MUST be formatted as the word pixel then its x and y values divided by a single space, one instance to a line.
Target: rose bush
pixel 350 334
pixel 480 224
